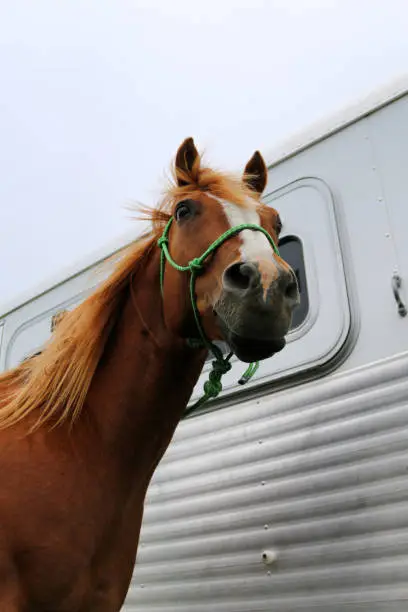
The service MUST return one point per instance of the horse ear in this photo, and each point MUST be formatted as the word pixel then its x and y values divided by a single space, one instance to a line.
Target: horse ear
pixel 185 158
pixel 257 173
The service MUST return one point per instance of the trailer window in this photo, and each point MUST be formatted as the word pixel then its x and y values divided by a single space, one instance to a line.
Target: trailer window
pixel 320 325
pixel 30 337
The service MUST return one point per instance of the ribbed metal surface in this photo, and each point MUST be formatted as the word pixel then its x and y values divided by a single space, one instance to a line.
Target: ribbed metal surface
pixel 317 474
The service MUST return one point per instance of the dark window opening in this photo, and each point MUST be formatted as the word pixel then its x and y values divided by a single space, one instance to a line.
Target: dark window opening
pixel 291 251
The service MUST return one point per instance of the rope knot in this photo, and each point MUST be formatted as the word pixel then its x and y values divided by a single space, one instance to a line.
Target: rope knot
pixel 213 386
pixel 162 240
pixel 195 264
pixel 220 367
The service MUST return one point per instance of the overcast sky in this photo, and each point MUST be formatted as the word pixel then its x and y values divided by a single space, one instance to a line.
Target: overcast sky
pixel 96 96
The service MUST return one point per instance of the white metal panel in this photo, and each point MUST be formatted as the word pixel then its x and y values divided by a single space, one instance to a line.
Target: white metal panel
pixel 345 162
pixel 388 136
pixel 318 475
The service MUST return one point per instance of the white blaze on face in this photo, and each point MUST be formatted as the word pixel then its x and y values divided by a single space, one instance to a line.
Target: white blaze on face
pixel 254 244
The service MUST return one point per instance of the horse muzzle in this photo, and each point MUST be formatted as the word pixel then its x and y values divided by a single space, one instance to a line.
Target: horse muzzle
pixel 254 310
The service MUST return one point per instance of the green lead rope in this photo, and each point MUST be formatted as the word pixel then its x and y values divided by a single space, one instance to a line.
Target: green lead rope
pixel 220 365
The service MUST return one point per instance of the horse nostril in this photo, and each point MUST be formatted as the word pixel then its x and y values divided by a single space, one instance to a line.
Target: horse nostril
pixel 241 276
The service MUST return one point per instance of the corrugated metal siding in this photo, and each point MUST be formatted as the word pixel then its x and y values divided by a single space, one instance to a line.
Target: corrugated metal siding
pixel 318 474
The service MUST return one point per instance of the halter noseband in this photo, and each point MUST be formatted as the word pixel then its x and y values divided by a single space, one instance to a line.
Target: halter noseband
pixel 220 365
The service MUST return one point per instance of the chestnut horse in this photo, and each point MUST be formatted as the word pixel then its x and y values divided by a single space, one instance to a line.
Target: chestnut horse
pixel 84 423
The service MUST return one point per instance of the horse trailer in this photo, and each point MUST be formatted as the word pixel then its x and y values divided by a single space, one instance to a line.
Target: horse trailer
pixel 290 493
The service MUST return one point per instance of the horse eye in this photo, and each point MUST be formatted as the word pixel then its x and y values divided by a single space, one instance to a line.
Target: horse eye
pixel 278 225
pixel 183 210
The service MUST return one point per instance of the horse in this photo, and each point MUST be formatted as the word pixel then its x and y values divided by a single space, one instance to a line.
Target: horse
pixel 84 423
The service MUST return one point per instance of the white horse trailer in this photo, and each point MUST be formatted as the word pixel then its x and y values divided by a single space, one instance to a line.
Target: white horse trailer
pixel 291 493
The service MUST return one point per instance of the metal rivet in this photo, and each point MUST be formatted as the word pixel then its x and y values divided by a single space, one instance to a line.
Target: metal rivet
pixel 269 557
pixel 266 526
pixel 263 483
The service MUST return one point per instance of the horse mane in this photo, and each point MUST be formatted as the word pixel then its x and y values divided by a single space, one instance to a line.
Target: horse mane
pixel 56 380
pixel 54 383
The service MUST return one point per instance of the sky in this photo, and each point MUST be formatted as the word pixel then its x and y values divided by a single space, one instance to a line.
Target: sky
pixel 96 96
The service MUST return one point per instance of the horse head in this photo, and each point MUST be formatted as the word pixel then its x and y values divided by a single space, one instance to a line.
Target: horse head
pixel 244 292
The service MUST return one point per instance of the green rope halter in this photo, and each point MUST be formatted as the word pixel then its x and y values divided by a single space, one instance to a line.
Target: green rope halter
pixel 220 365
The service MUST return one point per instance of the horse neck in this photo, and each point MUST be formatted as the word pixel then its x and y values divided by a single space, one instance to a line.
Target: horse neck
pixel 146 376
